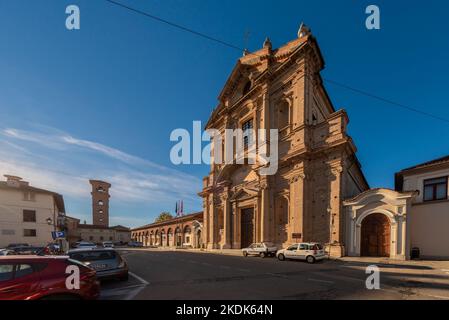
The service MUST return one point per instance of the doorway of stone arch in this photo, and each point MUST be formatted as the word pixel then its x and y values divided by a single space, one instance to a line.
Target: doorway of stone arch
pixel 375 236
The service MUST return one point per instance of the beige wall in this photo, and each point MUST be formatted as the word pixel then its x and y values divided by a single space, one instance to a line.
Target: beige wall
pixel 429 221
pixel 100 235
pixel 429 229
pixel 12 227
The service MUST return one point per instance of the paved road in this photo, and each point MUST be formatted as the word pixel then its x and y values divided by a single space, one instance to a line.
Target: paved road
pixel 187 275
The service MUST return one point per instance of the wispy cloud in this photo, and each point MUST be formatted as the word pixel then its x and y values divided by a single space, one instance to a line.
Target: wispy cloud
pixel 63 163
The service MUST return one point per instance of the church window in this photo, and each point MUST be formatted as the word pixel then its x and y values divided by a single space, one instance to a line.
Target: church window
pixel 247 127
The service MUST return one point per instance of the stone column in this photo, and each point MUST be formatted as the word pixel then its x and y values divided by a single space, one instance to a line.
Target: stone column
pixel 336 219
pixel 264 212
pixel 404 236
pixel 206 207
pixel 227 221
pixel 296 221
pixel 212 244
pixel 236 228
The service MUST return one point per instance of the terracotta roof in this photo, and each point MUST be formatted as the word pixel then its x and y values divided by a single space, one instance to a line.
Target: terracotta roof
pixel 59 199
pixel 174 220
pixel 428 163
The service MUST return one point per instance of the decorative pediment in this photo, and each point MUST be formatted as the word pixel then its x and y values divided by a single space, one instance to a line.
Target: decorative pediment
pixel 244 194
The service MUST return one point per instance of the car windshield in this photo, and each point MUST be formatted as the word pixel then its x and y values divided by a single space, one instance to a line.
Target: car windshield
pixel 86 245
pixel 93 255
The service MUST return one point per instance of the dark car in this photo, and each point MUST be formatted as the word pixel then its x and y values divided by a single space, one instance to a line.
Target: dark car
pixel 107 262
pixel 27 250
pixel 135 244
pixel 11 246
pixel 44 278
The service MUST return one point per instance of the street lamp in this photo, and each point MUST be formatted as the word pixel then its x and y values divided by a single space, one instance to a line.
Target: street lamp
pixel 49 221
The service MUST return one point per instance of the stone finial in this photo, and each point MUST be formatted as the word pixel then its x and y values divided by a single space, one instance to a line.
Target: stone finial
pixel 303 30
pixel 245 52
pixel 267 43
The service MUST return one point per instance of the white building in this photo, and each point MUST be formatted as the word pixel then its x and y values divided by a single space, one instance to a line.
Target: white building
pixel 429 219
pixel 27 214
pixel 388 223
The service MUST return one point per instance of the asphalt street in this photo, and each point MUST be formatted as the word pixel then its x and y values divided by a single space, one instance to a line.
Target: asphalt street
pixel 184 275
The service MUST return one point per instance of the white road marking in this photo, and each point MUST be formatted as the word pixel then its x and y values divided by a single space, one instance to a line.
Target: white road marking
pixel 143 281
pixel 119 291
pixel 323 281
pixel 134 293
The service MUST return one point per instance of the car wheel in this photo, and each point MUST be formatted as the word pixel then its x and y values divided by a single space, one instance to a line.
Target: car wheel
pixel 262 254
pixel 281 257
pixel 245 254
pixel 310 259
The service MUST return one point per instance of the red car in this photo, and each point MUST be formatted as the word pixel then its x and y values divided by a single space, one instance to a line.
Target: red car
pixel 44 277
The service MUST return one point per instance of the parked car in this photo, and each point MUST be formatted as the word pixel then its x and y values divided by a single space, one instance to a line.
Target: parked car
pixel 108 244
pixel 6 252
pixel 310 252
pixel 27 250
pixel 262 249
pixel 44 278
pixel 85 245
pixel 135 244
pixel 107 262
pixel 15 245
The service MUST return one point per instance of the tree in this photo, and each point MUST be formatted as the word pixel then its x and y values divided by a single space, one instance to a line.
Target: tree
pixel 164 216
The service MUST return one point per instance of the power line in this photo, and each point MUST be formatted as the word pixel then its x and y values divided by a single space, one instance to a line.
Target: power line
pixel 232 46
pixel 386 100
pixel 175 25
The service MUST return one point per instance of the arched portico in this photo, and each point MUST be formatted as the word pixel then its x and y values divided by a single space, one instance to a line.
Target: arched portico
pixel 387 205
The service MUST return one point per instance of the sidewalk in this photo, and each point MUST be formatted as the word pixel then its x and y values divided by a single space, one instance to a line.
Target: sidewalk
pixel 434 264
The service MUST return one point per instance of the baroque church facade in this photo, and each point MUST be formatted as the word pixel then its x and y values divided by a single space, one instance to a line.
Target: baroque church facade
pixel 317 168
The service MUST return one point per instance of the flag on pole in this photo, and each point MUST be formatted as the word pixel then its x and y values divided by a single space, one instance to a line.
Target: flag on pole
pixel 182 207
pixel 176 208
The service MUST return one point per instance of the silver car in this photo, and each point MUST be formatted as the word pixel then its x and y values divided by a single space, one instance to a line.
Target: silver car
pixel 308 251
pixel 107 262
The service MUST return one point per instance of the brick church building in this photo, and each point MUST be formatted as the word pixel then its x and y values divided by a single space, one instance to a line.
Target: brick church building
pixel 318 168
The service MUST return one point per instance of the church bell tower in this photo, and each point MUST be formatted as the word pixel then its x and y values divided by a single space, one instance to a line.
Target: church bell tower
pixel 100 202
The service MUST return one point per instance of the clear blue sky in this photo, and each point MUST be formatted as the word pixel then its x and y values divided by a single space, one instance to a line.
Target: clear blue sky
pixel 101 102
